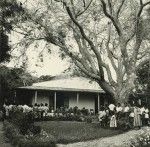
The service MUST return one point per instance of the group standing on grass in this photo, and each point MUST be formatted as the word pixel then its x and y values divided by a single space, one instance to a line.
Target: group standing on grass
pixel 136 115
pixel 40 110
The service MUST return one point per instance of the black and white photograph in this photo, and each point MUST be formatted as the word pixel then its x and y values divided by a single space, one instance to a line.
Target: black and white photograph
pixel 74 73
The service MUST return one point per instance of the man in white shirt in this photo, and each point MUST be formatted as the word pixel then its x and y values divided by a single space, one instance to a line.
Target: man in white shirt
pixel 111 107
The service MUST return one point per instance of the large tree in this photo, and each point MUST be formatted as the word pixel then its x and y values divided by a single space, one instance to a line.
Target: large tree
pixel 105 39
pixel 12 78
pixel 8 10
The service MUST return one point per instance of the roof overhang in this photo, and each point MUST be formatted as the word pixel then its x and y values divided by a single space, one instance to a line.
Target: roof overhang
pixel 38 88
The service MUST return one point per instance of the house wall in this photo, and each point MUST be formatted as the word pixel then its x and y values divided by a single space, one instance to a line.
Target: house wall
pixel 86 100
pixel 42 97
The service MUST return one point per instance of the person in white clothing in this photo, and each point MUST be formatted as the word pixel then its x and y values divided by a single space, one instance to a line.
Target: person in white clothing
pixel 142 110
pixel 119 110
pixel 146 116
pixel 111 107
pixel 113 121
pixel 126 108
pixel 101 116
pixel 131 115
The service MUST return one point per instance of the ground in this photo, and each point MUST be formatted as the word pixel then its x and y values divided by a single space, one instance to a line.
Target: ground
pixel 67 132
pixel 121 140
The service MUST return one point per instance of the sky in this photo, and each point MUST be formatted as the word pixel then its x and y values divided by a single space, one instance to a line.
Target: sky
pixel 52 64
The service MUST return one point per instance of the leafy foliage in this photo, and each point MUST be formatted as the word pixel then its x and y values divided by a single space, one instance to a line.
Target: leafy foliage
pixel 45 78
pixel 4 47
pixel 11 78
pixel 99 37
pixel 17 139
pixel 9 9
pixel 143 76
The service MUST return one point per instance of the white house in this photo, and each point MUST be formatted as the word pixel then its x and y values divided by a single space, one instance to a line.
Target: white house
pixel 70 91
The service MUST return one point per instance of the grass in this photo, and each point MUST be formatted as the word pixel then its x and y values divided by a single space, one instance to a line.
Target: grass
pixel 68 132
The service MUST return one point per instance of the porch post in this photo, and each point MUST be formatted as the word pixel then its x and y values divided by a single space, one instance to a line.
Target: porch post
pixel 35 98
pixel 15 96
pixel 77 99
pixel 55 95
pixel 98 105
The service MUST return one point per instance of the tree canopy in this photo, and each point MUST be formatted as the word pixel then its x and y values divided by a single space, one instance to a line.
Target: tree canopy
pixel 12 78
pixel 143 78
pixel 105 39
pixel 8 10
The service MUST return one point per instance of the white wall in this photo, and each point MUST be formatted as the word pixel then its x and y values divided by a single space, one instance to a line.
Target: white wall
pixel 86 100
pixel 42 97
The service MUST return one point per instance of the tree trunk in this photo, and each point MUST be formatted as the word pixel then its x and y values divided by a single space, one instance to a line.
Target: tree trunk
pixel 122 96
pixel 107 88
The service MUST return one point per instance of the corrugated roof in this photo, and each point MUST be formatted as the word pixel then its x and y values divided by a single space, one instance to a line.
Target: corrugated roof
pixel 68 84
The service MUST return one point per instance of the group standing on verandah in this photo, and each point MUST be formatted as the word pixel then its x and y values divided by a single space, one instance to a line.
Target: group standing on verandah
pixel 135 115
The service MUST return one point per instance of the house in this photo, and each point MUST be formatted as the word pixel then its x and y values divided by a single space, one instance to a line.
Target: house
pixel 68 91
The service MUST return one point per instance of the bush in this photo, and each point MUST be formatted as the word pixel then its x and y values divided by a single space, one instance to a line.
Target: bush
pixel 142 139
pixel 30 140
pixel 88 119
pixel 35 130
pixel 123 124
pixel 23 120
pixel 64 118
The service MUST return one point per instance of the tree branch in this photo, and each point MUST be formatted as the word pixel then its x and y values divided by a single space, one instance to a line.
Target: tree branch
pixel 87 39
pixel 114 20
pixel 138 32
pixel 86 8
pixel 120 7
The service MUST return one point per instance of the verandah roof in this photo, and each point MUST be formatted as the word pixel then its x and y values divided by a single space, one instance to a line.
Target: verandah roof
pixel 78 84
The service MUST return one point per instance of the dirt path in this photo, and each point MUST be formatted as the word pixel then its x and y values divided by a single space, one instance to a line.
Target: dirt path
pixel 121 140
pixel 3 141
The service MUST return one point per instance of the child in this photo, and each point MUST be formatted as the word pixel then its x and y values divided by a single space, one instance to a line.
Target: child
pixel 113 121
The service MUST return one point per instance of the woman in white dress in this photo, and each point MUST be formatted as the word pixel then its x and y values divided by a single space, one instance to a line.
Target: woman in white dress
pixel 137 117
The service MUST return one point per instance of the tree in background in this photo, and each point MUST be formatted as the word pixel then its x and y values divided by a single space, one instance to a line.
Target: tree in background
pixel 45 78
pixel 143 78
pixel 8 10
pixel 12 78
pixel 105 39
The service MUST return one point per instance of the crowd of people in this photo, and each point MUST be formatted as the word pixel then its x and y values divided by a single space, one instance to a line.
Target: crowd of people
pixel 135 115
pixel 43 110
pixel 39 110
pixel 109 115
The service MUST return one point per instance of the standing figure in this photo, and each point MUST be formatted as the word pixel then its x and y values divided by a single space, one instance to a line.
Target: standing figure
pixel 101 116
pixel 119 110
pixel 113 121
pixel 146 116
pixel 137 117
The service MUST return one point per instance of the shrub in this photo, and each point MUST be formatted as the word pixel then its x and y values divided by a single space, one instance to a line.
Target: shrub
pixel 88 119
pixel 123 124
pixel 23 120
pixel 35 130
pixel 12 132
pixel 142 139
pixel 30 140
pixel 64 118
